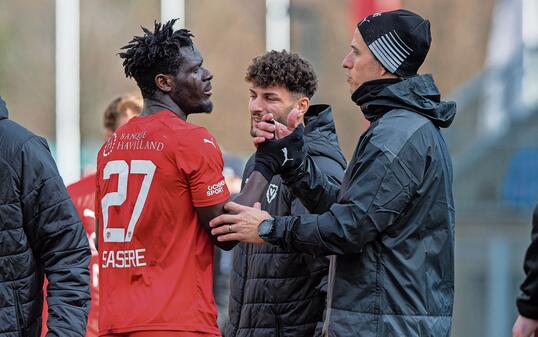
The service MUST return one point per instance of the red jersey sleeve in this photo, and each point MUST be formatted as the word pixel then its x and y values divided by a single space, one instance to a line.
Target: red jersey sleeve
pixel 201 161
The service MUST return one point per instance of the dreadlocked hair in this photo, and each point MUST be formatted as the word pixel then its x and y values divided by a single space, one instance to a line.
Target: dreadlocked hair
pixel 156 52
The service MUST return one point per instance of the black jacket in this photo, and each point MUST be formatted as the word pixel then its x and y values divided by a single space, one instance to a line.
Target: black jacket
pixel 527 301
pixel 390 223
pixel 40 233
pixel 274 291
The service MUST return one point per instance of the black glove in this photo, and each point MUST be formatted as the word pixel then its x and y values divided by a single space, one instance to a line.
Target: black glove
pixel 277 156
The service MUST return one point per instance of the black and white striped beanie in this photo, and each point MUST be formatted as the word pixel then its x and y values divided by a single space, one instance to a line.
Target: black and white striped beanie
pixel 399 40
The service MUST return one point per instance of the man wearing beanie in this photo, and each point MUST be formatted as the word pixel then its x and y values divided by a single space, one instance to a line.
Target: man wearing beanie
pixel 391 222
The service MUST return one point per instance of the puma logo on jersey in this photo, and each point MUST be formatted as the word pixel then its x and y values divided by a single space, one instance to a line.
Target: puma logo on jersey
pixel 286 159
pixel 207 141
pixel 88 213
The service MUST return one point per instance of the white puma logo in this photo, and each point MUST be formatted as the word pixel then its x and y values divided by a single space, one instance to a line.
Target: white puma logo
pixel 88 213
pixel 285 150
pixel 209 142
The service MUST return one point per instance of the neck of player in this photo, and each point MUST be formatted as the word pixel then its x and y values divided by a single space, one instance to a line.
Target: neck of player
pixel 160 102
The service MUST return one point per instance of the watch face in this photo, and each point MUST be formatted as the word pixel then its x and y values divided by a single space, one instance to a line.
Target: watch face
pixel 265 227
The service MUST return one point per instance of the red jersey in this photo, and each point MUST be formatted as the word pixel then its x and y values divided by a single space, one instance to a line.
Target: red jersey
pixel 156 260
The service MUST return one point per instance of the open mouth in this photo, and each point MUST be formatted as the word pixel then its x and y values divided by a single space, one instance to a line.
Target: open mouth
pixel 208 91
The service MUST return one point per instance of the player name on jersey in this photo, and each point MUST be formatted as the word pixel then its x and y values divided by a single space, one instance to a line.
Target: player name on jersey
pixel 123 258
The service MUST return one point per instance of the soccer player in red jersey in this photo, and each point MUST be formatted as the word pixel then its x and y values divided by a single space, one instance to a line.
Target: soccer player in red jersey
pixel 159 183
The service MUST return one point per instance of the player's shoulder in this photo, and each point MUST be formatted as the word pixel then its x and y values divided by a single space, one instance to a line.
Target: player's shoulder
pixel 186 132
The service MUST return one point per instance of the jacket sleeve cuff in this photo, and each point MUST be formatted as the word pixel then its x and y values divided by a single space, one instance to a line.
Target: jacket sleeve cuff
pixel 292 176
pixel 278 235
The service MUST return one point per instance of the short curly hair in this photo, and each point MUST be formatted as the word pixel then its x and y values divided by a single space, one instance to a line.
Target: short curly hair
pixel 154 53
pixel 281 68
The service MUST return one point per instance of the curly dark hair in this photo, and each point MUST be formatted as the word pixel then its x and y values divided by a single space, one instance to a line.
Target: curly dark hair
pixel 154 53
pixel 281 68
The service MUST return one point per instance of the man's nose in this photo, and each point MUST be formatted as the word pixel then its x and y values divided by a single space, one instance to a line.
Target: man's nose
pixel 256 106
pixel 347 62
pixel 208 75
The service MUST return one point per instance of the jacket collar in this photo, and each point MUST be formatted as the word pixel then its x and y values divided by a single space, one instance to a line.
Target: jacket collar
pixel 318 116
pixel 417 94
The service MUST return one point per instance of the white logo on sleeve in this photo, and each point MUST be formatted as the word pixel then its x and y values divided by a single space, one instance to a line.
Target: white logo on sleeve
pixel 285 150
pixel 207 141
pixel 271 193
pixel 217 188
pixel 88 213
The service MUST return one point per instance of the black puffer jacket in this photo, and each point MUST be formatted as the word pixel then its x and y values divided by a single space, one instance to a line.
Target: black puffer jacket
pixel 277 292
pixel 40 232
pixel 527 301
pixel 392 226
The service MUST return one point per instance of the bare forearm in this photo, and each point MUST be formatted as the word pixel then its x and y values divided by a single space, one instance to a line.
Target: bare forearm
pixel 251 193
pixel 253 190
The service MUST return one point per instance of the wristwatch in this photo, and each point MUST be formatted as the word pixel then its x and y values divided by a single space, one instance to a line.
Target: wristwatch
pixel 266 228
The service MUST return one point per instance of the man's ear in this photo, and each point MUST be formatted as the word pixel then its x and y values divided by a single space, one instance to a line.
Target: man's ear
pixel 163 82
pixel 302 105
pixel 384 73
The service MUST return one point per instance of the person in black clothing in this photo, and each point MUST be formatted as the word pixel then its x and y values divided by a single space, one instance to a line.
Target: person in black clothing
pixel 40 233
pixel 391 221
pixel 275 291
pixel 527 302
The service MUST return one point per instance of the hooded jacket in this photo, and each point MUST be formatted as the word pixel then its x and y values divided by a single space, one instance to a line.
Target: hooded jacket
pixel 274 291
pixel 390 223
pixel 40 233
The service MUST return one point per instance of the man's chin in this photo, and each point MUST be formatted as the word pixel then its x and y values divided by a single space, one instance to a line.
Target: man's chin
pixel 353 88
pixel 206 107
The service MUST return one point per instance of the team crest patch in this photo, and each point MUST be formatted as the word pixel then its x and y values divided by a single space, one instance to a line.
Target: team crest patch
pixel 110 145
pixel 271 192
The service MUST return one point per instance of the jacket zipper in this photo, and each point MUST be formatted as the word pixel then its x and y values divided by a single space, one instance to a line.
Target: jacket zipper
pixel 18 311
pixel 278 326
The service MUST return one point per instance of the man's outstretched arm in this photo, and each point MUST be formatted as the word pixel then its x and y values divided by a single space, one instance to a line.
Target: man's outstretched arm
pixel 285 156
